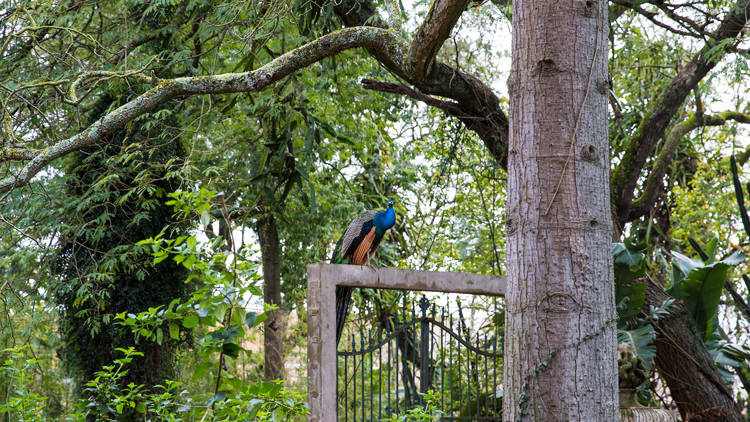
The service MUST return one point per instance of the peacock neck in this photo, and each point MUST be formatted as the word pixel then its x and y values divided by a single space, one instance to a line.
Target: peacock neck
pixel 384 220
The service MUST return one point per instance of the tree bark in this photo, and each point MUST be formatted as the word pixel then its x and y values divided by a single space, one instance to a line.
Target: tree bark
pixel 273 333
pixel 560 353
pixel 684 363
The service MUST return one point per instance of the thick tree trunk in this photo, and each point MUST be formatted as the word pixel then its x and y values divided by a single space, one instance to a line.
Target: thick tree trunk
pixel 273 334
pixel 686 366
pixel 560 353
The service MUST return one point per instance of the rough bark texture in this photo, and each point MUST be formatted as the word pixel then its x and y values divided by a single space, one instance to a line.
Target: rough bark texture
pixel 560 362
pixel 273 333
pixel 431 35
pixel 686 366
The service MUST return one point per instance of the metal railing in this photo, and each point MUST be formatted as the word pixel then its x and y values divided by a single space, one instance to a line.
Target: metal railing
pixel 387 371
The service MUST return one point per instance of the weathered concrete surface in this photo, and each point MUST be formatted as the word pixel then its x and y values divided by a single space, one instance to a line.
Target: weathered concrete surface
pixel 393 278
pixel 322 280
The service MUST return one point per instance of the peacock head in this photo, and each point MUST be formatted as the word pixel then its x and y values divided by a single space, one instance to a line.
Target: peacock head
pixel 384 220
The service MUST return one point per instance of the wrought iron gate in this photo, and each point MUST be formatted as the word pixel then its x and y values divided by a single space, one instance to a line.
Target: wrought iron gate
pixel 386 372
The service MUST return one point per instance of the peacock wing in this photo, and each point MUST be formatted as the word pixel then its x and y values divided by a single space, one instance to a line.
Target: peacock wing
pixel 356 232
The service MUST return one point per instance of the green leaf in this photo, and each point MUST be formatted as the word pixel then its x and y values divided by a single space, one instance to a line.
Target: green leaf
pixel 189 261
pixel 174 331
pixel 250 319
pixel 685 264
pixel 641 341
pixel 739 195
pixel 205 218
pixel 701 288
pixel 231 349
pixel 629 265
pixel 220 396
pixel 190 321
pixel 629 298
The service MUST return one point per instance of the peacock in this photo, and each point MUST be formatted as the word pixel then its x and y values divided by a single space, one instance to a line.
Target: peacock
pixel 357 246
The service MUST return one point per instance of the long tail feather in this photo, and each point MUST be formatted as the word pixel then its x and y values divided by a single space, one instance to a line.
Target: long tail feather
pixel 343 297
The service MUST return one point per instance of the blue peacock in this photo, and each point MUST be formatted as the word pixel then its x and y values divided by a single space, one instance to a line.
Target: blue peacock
pixel 357 246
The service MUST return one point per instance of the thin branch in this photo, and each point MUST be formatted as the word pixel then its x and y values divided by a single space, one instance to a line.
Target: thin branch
pixel 450 107
pixel 130 46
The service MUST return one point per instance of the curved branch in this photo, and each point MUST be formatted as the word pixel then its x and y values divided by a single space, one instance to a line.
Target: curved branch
pixel 663 110
pixel 449 107
pixel 652 187
pixel 473 96
pixel 431 35
pixel 385 43
pixel 482 125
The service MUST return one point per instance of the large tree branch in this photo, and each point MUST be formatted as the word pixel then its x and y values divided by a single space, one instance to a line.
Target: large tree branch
pixel 386 43
pixel 654 183
pixel 662 111
pixel 475 98
pixel 431 35
pixel 684 362
pixel 481 125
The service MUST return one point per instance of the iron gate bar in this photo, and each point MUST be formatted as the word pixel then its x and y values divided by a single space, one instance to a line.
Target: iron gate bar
pixel 473 397
pixel 448 330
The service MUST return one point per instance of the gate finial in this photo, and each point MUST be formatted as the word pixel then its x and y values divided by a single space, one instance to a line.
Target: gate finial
pixel 424 304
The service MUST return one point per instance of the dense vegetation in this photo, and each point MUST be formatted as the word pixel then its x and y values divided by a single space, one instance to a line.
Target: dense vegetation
pixel 158 272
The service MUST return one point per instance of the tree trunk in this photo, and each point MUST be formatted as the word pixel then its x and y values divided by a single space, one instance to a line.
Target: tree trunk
pixel 273 333
pixel 684 363
pixel 560 353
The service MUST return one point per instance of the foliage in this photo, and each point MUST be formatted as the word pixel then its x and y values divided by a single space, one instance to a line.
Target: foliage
pixel 21 401
pixel 101 268
pixel 704 207
pixel 108 397
pixel 699 285
pixel 226 283
pixel 428 412
pixel 630 294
